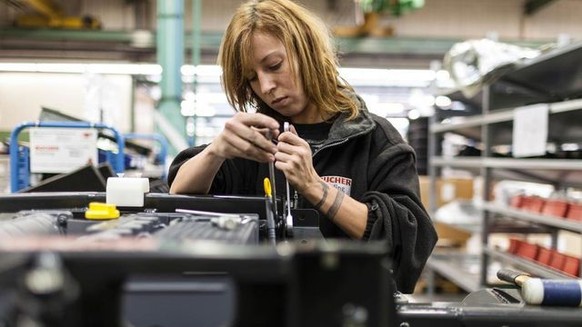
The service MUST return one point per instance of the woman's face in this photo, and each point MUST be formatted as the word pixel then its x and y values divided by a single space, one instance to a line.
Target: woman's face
pixel 273 81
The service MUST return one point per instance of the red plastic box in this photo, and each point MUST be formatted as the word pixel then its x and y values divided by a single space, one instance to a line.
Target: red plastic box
pixel 528 250
pixel 514 245
pixel 557 260
pixel 517 201
pixel 544 256
pixel 534 204
pixel 555 207
pixel 575 211
pixel 571 266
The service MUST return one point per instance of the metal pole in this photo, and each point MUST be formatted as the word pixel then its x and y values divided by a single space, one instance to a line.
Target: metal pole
pixel 170 54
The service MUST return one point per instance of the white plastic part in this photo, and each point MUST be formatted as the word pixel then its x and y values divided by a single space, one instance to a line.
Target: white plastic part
pixel 289 217
pixel 127 191
pixel 532 291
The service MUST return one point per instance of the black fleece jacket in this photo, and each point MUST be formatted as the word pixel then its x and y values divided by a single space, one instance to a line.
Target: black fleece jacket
pixel 368 160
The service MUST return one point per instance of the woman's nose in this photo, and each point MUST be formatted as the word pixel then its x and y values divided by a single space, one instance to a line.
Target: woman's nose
pixel 267 84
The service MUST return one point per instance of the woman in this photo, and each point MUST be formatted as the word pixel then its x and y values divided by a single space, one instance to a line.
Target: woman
pixel 279 65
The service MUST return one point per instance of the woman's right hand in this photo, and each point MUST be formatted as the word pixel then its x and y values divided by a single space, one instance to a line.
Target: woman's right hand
pixel 247 135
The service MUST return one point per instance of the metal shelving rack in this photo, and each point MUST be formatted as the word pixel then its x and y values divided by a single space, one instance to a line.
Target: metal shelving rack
pixel 554 78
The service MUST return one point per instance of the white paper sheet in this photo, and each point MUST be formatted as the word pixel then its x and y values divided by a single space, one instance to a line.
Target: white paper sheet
pixel 530 130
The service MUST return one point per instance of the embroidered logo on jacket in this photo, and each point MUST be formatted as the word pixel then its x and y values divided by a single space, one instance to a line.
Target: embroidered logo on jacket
pixel 343 184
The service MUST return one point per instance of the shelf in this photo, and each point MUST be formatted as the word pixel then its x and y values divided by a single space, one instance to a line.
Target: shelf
pixel 527 265
pixel 512 225
pixel 456 267
pixel 553 79
pixel 560 127
pixel 509 163
pixel 556 74
pixel 563 172
pixel 569 225
pixel 502 116
pixel 550 77
pixel 457 162
pixel 568 172
pixel 505 94
pixel 533 164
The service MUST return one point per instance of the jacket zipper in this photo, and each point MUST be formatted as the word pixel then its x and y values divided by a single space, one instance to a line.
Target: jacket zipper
pixel 296 197
pixel 329 145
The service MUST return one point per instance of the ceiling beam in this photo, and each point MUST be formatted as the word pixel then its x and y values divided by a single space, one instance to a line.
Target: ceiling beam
pixel 141 45
pixel 533 6
pixel 369 45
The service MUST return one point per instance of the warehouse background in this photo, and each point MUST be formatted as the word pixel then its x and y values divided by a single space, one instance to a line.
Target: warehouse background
pixel 404 56
pixel 415 40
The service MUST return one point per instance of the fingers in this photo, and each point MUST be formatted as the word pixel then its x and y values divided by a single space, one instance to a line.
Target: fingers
pixel 262 129
pixel 239 147
pixel 269 134
pixel 291 138
pixel 294 157
pixel 246 135
pixel 263 124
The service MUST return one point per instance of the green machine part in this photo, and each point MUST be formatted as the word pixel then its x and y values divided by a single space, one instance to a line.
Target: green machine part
pixel 395 7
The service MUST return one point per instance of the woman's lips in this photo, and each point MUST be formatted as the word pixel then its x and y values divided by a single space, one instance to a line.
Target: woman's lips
pixel 278 101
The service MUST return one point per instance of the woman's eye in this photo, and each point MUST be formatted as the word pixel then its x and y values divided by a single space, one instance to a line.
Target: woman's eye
pixel 275 66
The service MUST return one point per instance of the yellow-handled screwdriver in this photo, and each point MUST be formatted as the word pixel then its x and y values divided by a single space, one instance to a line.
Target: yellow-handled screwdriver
pixel 269 207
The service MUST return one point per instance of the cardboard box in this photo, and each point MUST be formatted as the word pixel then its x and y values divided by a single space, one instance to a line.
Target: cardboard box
pixel 447 190
pixel 450 236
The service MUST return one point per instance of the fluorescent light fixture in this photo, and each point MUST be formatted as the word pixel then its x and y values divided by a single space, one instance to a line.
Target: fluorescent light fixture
pixel 202 70
pixel 570 147
pixel 388 77
pixel 125 69
pixel 188 108
pixel 401 124
pixel 212 73
pixel 388 109
pixel 443 75
pixel 203 73
pixel 193 108
pixel 413 114
pixel 443 101
pixel 79 68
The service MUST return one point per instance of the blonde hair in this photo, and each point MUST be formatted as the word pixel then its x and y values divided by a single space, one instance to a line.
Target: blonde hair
pixel 309 47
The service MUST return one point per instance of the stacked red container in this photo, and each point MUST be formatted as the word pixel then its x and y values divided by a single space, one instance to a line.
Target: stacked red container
pixel 575 211
pixel 547 257
pixel 555 207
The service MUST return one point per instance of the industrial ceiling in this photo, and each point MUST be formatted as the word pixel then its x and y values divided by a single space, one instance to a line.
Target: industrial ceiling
pixel 42 29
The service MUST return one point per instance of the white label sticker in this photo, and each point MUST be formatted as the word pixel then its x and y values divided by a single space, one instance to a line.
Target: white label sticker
pixel 62 150
pixel 530 130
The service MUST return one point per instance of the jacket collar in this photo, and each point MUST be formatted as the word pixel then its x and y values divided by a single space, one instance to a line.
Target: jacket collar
pixel 343 129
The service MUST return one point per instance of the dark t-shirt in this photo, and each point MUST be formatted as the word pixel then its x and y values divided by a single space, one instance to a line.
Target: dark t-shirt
pixel 314 134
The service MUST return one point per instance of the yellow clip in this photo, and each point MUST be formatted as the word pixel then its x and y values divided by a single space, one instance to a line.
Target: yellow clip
pixel 267 186
pixel 101 211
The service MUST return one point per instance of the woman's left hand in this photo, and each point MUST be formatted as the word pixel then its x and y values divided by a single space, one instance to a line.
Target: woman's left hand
pixel 294 159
